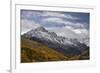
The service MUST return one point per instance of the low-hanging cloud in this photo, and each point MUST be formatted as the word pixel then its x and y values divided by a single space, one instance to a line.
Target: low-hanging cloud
pixel 27 25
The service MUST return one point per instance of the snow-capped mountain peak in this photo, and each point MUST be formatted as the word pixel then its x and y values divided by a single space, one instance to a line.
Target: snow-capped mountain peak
pixel 41 29
pixel 42 33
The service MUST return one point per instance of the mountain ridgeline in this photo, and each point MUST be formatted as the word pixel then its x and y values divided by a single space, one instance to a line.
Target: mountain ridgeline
pixel 59 47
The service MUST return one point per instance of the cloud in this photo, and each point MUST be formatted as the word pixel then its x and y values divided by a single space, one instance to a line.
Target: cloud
pixel 50 19
pixel 54 19
pixel 30 13
pixel 53 14
pixel 61 22
pixel 27 25
pixel 60 15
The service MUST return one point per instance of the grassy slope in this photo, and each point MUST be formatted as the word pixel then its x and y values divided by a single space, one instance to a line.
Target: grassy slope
pixel 34 51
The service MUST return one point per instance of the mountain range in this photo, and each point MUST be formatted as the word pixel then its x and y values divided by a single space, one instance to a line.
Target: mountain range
pixel 69 47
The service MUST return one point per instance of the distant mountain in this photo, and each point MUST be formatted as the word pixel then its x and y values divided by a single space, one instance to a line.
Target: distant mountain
pixel 81 34
pixel 61 44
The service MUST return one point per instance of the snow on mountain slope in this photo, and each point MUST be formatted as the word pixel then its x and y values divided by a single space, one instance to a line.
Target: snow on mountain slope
pixel 62 44
pixel 66 39
pixel 41 33
pixel 81 34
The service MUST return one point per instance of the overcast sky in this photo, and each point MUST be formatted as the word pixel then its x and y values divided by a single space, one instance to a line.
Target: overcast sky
pixel 31 19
